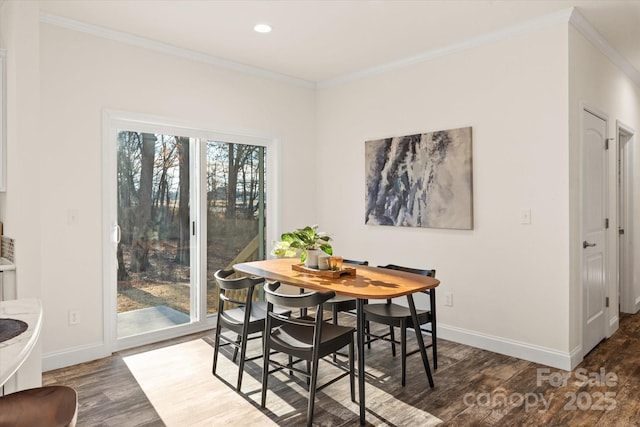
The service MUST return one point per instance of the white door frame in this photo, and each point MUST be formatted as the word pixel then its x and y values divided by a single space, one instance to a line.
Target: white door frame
pixel 113 121
pixel 629 298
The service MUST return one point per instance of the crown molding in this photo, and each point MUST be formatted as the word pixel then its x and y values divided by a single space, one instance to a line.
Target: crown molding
pixel 585 28
pixel 168 49
pixel 560 17
pixel 570 15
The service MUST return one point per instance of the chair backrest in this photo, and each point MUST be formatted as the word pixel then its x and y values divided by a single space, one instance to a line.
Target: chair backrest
pixel 356 262
pixel 303 300
pixel 429 273
pixel 239 284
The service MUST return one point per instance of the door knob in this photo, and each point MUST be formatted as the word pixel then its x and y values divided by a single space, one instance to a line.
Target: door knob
pixel 586 245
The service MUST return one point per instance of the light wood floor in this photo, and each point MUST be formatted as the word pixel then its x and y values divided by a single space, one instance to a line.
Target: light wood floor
pixel 473 387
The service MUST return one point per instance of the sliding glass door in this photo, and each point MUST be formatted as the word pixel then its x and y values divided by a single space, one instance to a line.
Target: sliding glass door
pixel 235 208
pixel 154 251
pixel 180 203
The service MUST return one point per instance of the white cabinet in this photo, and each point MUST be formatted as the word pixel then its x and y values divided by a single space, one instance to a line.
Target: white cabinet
pixel 7 280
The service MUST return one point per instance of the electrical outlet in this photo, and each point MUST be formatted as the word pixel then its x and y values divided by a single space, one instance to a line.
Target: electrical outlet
pixel 448 299
pixel 74 317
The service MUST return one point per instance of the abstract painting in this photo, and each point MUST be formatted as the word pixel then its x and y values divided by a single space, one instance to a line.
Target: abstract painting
pixel 422 180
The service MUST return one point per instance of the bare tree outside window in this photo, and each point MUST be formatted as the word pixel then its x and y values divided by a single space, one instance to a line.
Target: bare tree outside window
pixel 154 216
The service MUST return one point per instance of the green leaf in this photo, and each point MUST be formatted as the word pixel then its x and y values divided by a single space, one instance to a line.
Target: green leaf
pixel 288 237
pixel 326 248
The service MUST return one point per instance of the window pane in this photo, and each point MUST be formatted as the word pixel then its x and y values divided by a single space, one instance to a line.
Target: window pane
pixel 235 208
pixel 153 215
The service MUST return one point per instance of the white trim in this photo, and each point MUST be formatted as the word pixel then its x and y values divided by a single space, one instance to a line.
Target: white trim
pixel 168 49
pixel 560 17
pixel 109 213
pixel 74 356
pixel 90 352
pixel 570 15
pixel 585 28
pixel 576 356
pixel 207 323
pixel 544 356
pixel 624 204
pixel 614 322
pixel 198 209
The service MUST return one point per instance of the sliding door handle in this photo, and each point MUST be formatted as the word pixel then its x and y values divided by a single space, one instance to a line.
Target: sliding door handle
pixel 117 234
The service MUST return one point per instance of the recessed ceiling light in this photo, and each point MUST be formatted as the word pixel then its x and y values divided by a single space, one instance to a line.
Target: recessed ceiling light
pixel 262 28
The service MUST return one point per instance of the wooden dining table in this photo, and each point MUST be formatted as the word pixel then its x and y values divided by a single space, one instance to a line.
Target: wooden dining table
pixel 368 283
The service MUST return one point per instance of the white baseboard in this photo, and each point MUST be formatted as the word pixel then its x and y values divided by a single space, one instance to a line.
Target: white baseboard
pixel 576 356
pixel 542 355
pixel 74 356
pixel 532 353
pixel 87 353
pixel 614 324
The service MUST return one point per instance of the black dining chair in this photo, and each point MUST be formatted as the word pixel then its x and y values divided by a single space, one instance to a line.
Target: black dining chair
pixel 238 313
pixel 399 316
pixel 305 339
pixel 340 303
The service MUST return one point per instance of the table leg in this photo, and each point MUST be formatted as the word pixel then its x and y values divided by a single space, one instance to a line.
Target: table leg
pixel 416 327
pixel 360 337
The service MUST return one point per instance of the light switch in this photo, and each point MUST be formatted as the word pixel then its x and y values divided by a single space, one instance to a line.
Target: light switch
pixel 525 216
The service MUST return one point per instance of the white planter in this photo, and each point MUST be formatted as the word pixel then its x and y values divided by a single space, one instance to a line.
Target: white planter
pixel 312 258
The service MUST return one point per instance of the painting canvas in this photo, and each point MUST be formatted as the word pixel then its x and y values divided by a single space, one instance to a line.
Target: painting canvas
pixel 422 180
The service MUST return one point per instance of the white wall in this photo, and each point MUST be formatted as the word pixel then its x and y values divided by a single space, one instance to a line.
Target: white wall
pixel 514 285
pixel 596 82
pixel 22 215
pixel 21 209
pixel 80 76
pixel 509 281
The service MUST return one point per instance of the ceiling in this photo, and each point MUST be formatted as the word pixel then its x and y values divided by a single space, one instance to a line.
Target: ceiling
pixel 322 40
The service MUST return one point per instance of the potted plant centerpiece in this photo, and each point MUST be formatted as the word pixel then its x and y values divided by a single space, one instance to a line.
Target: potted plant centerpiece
pixel 307 241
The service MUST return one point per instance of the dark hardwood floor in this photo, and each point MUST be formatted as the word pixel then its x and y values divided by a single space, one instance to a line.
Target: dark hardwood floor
pixel 473 387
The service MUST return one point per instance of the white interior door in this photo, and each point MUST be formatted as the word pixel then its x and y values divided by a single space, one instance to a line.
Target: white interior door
pixel 593 244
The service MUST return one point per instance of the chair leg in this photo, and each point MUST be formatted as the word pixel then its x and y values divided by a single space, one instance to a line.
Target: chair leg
pixel 235 350
pixel 265 370
pixel 434 329
pixel 312 389
pixel 243 352
pixel 393 341
pixel 434 344
pixel 334 316
pixel 352 372
pixel 367 334
pixel 419 337
pixel 403 345
pixel 216 347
